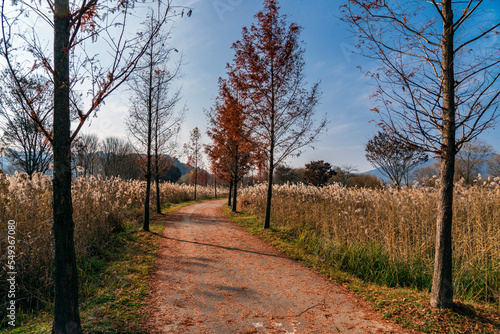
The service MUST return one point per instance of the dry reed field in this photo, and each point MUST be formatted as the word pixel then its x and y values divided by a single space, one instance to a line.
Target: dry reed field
pixel 387 235
pixel 100 207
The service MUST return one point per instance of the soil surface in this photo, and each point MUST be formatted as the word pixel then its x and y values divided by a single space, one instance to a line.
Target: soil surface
pixel 213 277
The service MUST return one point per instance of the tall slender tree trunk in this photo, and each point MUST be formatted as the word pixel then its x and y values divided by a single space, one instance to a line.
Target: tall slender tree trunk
pixel 235 194
pixel 66 312
pixel 145 225
pixel 195 181
pixel 157 170
pixel 215 185
pixel 442 286
pixel 158 201
pixel 267 221
pixel 157 147
pixel 230 193
pixel 235 178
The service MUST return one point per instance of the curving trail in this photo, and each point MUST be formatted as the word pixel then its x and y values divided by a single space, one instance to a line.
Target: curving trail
pixel 213 277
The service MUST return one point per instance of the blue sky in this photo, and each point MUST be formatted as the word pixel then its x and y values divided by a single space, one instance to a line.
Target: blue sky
pixel 205 40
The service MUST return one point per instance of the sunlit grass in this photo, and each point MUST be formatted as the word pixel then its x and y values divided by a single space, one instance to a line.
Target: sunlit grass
pixel 101 208
pixel 406 306
pixel 387 236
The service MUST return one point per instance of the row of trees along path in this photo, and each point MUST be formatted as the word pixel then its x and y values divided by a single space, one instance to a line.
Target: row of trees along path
pixel 437 89
pixel 82 33
pixel 265 113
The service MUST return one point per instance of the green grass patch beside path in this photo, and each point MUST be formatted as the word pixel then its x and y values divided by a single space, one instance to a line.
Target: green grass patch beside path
pixel 408 307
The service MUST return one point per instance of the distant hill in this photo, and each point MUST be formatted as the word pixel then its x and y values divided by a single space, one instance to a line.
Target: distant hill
pixel 378 173
pixel 381 176
pixel 182 166
pixel 9 169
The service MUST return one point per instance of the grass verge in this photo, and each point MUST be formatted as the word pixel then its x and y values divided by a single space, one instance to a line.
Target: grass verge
pixel 114 286
pixel 408 307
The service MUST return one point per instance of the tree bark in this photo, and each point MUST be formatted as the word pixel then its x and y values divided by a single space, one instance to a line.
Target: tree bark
pixel 157 172
pixel 442 286
pixel 195 181
pixel 235 193
pixel 267 221
pixel 215 185
pixel 230 193
pixel 145 226
pixel 158 201
pixel 66 311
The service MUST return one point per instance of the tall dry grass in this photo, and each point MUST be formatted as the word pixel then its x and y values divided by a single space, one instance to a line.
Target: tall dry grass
pixel 387 235
pixel 100 208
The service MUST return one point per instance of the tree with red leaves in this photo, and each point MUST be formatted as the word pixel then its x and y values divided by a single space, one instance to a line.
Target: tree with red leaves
pixel 232 151
pixel 268 70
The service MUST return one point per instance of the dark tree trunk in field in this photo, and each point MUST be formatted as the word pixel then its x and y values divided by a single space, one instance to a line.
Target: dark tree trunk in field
pixel 157 174
pixel 195 181
pixel 442 287
pixel 230 193
pixel 158 201
pixel 267 221
pixel 149 173
pixel 66 312
pixel 145 224
pixel 235 193
pixel 215 186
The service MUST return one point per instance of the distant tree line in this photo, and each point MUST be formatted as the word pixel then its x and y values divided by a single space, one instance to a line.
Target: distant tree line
pixel 400 164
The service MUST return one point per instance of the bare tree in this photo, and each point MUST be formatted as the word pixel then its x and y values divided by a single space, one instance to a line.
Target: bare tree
pixel 86 149
pixel 269 70
pixel 117 158
pixel 470 159
pixel 193 151
pixel 344 173
pixel 152 123
pixel 427 175
pixel 437 86
pixel 74 65
pixel 28 147
pixel 167 124
pixel 393 158
pixel 493 165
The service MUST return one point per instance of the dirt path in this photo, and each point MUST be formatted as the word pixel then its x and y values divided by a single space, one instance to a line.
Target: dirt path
pixel 213 277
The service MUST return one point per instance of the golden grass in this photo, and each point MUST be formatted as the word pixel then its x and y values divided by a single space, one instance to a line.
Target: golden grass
pixel 387 235
pixel 100 207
